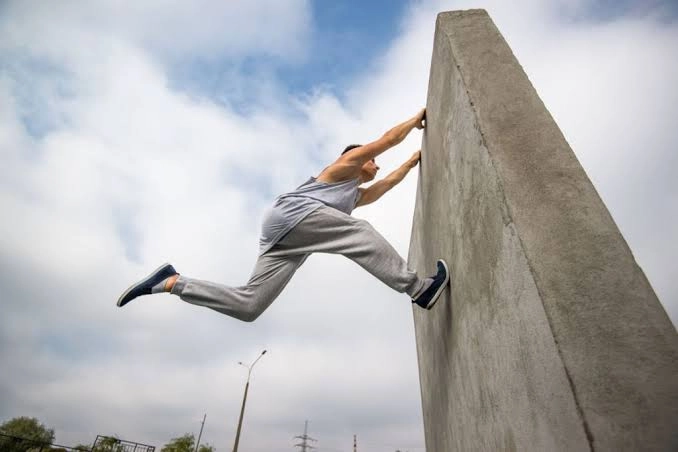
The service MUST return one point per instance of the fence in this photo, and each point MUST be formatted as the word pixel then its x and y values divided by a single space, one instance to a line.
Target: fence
pixel 111 444
pixel 9 443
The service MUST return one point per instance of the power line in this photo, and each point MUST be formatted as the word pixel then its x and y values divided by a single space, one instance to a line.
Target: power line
pixel 304 439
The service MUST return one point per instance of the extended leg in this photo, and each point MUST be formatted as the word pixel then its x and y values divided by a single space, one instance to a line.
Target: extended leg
pixel 270 276
pixel 328 230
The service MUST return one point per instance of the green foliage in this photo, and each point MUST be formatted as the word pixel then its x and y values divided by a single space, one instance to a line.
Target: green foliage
pixel 185 443
pixel 28 428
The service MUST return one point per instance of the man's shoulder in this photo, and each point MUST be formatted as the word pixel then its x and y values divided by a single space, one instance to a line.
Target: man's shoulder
pixel 339 171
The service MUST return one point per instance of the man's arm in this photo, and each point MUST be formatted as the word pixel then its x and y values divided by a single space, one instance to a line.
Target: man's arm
pixel 394 136
pixel 376 190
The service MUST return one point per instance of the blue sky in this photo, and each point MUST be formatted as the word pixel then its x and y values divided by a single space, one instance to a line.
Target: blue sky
pixel 345 39
pixel 162 130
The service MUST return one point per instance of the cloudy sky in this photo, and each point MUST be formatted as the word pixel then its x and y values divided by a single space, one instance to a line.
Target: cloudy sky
pixel 160 131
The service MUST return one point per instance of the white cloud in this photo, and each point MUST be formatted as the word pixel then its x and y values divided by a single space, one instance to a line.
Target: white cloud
pixel 125 171
pixel 168 28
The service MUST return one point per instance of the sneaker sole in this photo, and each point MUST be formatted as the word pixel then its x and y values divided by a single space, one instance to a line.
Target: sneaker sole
pixel 442 287
pixel 143 281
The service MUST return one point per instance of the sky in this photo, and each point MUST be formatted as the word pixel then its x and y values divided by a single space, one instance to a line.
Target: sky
pixel 162 130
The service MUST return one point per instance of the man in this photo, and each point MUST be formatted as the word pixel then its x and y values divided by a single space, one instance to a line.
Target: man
pixel 314 218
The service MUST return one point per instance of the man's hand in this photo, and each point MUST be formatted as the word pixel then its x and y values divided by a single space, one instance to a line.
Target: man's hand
pixel 420 119
pixel 412 162
pixel 375 191
pixel 354 160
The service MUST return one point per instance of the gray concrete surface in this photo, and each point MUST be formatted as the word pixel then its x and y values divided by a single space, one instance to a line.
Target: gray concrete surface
pixel 550 337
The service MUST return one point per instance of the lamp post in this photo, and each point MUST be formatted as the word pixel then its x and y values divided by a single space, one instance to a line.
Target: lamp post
pixel 200 435
pixel 244 399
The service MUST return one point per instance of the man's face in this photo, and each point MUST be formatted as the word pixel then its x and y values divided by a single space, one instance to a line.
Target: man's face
pixel 369 170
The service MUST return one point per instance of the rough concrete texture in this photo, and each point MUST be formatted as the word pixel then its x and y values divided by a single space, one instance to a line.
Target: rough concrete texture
pixel 550 337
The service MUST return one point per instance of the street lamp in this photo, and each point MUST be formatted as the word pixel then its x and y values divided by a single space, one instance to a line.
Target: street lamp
pixel 244 399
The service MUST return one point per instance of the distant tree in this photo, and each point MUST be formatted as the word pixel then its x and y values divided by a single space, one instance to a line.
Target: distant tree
pixel 28 428
pixel 185 443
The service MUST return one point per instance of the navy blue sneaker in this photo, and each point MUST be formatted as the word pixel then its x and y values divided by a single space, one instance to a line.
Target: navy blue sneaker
pixel 144 286
pixel 429 297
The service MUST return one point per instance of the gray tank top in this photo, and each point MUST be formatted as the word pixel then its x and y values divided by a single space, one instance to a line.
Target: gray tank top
pixel 290 208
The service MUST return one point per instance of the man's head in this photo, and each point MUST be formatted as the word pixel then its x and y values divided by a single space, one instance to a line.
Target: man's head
pixel 369 170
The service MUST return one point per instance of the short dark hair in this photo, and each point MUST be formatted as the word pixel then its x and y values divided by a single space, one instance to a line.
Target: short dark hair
pixel 349 147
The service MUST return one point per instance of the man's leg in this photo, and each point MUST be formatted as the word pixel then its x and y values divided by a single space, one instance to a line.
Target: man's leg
pixel 270 276
pixel 328 230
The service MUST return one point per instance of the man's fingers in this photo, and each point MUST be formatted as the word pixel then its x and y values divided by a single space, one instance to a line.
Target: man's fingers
pixel 415 158
pixel 421 119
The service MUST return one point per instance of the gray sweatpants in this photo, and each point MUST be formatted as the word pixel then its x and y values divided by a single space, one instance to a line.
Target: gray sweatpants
pixel 326 230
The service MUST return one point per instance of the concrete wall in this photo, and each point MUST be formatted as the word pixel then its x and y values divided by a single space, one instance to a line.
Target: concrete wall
pixel 550 337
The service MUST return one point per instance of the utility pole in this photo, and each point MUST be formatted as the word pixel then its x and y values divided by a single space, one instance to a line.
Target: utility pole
pixel 304 439
pixel 200 434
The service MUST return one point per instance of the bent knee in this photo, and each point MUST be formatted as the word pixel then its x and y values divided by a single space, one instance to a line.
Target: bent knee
pixel 363 224
pixel 249 315
pixel 253 310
